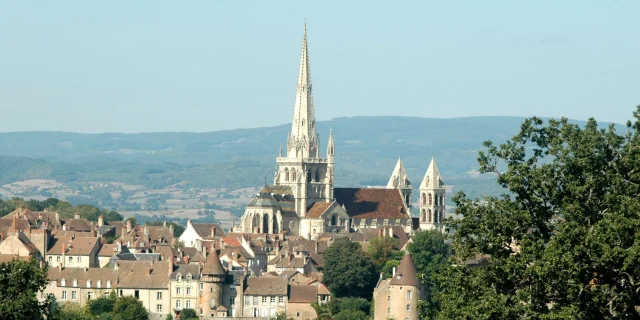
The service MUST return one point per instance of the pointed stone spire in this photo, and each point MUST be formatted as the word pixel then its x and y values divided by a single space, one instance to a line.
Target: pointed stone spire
pixel 302 142
pixel 281 150
pixel 407 273
pixel 330 146
pixel 432 179
pixel 399 178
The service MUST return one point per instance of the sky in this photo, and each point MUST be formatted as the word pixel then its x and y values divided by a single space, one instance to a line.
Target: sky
pixel 147 66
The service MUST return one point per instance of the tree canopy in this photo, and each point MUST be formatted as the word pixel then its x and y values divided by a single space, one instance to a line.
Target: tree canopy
pixel 562 242
pixel 20 285
pixel 129 308
pixel 348 272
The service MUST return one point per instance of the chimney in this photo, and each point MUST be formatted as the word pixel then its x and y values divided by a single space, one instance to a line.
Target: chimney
pixel 58 217
pixel 146 232
pixel 204 251
pixel 213 232
pixel 171 229
pixel 394 272
pixel 46 210
pixel 14 224
pixel 100 220
pixel 317 246
pixel 119 246
pixel 76 215
pixel 128 226
pixel 171 264
pixel 164 224
pixel 64 250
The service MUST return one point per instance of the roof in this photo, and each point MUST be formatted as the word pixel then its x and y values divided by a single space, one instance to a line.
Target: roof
pixel 263 200
pixel 204 229
pixel 369 203
pixel 285 198
pixel 27 243
pixel 264 286
pixel 78 225
pixel 44 216
pixel 231 241
pixel 399 178
pixel 317 209
pixel 81 275
pixel 406 274
pixel 184 269
pixel 303 294
pixel 144 274
pixel 73 246
pixel 213 265
pixel 9 257
pixel 432 178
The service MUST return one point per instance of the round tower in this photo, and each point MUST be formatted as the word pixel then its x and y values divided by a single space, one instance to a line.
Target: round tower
pixel 213 275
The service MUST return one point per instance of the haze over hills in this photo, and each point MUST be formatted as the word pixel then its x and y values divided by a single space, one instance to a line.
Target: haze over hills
pixel 366 151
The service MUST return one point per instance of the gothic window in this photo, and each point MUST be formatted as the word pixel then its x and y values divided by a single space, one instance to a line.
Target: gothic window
pixel 430 200
pixel 293 175
pixel 435 200
pixel 309 175
pixel 333 220
pixel 442 200
pixel 286 174
pixel 435 217
pixel 424 215
pixel 429 215
pixel 317 175
pixel 424 198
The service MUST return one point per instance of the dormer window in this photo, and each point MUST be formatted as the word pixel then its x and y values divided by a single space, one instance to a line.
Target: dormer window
pixel 99 284
pixel 75 283
pixel 62 283
pixel 88 283
pixel 179 278
pixel 108 283
pixel 188 278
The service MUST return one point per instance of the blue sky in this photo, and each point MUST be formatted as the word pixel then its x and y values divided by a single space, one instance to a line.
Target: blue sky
pixel 138 66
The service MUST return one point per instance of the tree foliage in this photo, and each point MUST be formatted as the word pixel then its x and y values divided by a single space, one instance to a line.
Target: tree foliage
pixel 129 308
pixel 430 253
pixel 348 272
pixel 563 240
pixel 20 285
pixel 351 314
pixel 188 314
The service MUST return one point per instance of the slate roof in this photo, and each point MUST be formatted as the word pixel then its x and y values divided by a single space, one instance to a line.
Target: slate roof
pixel 406 274
pixel 317 209
pixel 284 196
pixel 369 203
pixel 184 269
pixel 303 294
pixel 213 265
pixel 264 286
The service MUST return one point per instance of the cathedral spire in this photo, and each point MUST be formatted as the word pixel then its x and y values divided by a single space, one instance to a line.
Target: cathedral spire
pixel 432 179
pixel 303 139
pixel 399 178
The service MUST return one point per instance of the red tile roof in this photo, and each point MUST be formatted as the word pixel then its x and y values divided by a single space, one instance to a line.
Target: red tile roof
pixel 317 209
pixel 368 203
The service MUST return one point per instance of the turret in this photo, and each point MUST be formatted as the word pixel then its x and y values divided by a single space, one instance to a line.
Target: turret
pixel 213 275
pixel 400 180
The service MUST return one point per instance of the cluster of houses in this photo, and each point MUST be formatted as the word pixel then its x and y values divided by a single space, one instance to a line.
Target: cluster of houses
pixel 217 274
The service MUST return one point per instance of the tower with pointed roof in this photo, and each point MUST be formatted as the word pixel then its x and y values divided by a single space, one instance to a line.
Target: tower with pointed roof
pixel 301 168
pixel 398 296
pixel 213 275
pixel 432 198
pixel 400 180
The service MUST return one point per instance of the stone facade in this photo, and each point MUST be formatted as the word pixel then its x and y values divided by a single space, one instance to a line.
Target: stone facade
pixel 397 297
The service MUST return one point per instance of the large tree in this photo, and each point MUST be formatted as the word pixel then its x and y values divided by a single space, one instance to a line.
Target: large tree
pixel 129 308
pixel 348 271
pixel 563 241
pixel 20 285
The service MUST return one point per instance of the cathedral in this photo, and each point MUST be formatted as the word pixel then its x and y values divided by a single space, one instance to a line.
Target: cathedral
pixel 303 200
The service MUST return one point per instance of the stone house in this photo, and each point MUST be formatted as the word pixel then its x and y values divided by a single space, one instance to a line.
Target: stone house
pixel 74 252
pixel 265 296
pixel 397 297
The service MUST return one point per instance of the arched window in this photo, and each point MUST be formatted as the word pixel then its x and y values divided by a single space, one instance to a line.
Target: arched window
pixel 333 220
pixel 430 200
pixel 442 200
pixel 423 199
pixel 424 215
pixel 317 175
pixel 435 200
pixel 435 217
pixel 308 175
pixel 293 175
pixel 429 215
pixel 286 174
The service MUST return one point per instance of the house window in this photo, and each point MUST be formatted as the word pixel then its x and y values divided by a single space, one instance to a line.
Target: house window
pixel 178 306
pixel 388 310
pixel 159 296
pixel 119 292
pixel 408 307
pixel 264 300
pixel 109 284
pixel 50 259
pixel 74 295
pixel 388 298
pixel 247 300
pixel 286 174
pixel 137 294
pixel 255 300
pixel 70 259
pixel 179 278
pixel 99 284
pixel 58 259
pixel 75 283
pixel 89 295
pixel 64 295
pixel 293 175
pixel 188 291
pixel 232 301
pixel 79 259
pixel 178 290
pixel 159 308
pixel 187 304
pixel 188 278
pixel 272 300
pixel 280 299
pixel 63 282
pixel 201 286
pixel 408 294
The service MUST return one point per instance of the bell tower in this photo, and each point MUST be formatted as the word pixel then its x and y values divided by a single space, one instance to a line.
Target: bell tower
pixel 432 199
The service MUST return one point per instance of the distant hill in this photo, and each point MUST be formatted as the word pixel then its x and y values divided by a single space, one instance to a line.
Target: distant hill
pixel 366 151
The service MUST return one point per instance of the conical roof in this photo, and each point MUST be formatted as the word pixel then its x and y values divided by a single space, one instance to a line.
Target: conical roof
pixel 399 178
pixel 406 274
pixel 432 179
pixel 213 266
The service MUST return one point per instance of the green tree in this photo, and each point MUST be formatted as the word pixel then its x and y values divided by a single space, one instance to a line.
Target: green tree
pixel 563 239
pixel 72 311
pixel 348 272
pixel 430 253
pixel 380 249
pixel 187 313
pixel 20 285
pixel 101 305
pixel 351 315
pixel 129 308
pixel 112 216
